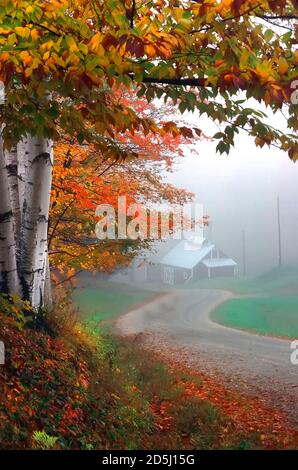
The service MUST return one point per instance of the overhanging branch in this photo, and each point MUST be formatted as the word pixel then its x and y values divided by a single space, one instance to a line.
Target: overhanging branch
pixel 278 17
pixel 200 82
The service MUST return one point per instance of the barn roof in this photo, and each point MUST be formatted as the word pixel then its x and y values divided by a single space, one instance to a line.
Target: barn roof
pixel 219 262
pixel 160 248
pixel 186 254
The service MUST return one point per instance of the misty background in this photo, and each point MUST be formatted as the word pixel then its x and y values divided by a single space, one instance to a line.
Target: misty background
pixel 239 192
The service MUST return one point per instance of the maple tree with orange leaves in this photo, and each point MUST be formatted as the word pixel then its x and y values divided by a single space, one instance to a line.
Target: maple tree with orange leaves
pixel 83 179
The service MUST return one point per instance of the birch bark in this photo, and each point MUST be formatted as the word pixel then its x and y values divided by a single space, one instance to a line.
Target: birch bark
pixel 35 166
pixel 9 282
pixel 11 159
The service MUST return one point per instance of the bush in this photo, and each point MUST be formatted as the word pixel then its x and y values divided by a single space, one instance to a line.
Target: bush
pixel 41 440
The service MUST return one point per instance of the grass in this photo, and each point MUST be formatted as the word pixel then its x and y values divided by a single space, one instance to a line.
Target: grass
pixel 109 300
pixel 283 279
pixel 276 316
pixel 271 309
pixel 237 285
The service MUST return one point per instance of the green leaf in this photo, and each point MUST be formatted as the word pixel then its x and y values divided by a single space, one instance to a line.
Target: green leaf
pixel 223 147
pixel 80 137
pixel 182 107
pixel 268 35
pixel 218 135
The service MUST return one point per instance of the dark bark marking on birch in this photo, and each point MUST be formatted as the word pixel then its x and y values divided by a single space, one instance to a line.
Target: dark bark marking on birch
pixel 5 216
pixel 42 156
pixel 12 169
pixel 25 288
pixel 4 282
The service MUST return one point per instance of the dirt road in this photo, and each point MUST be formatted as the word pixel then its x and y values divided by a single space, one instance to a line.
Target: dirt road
pixel 180 322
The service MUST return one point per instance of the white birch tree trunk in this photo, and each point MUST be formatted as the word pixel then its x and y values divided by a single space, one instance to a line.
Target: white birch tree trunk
pixel 22 158
pixel 48 299
pixel 11 158
pixel 9 282
pixel 35 167
pixel 25 186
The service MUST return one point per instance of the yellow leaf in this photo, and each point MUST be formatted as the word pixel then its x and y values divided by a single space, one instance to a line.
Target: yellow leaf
pixel 34 34
pixel 5 31
pixel 47 46
pixel 283 66
pixel 267 98
pixel 150 50
pixel 46 55
pixel 94 43
pixel 73 47
pixel 4 56
pixel 26 57
pixel 23 32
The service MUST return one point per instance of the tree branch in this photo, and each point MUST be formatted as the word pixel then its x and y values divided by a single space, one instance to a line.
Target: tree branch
pixel 69 278
pixel 278 17
pixel 224 20
pixel 133 10
pixel 200 82
pixel 106 169
pixel 64 252
pixel 57 223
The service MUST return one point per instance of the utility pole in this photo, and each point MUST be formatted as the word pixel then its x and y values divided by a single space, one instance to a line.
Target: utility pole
pixel 244 253
pixel 279 233
pixel 210 231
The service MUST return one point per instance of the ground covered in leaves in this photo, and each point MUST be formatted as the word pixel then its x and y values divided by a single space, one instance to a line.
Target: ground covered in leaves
pixel 246 413
pixel 66 386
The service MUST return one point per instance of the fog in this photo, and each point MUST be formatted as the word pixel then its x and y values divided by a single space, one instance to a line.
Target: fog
pixel 239 193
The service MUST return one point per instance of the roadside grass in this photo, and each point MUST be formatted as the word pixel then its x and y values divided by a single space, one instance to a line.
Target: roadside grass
pixel 281 279
pixel 108 300
pixel 77 389
pixel 271 309
pixel 276 316
pixel 236 285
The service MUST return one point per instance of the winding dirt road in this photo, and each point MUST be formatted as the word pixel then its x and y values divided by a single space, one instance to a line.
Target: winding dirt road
pixel 180 322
